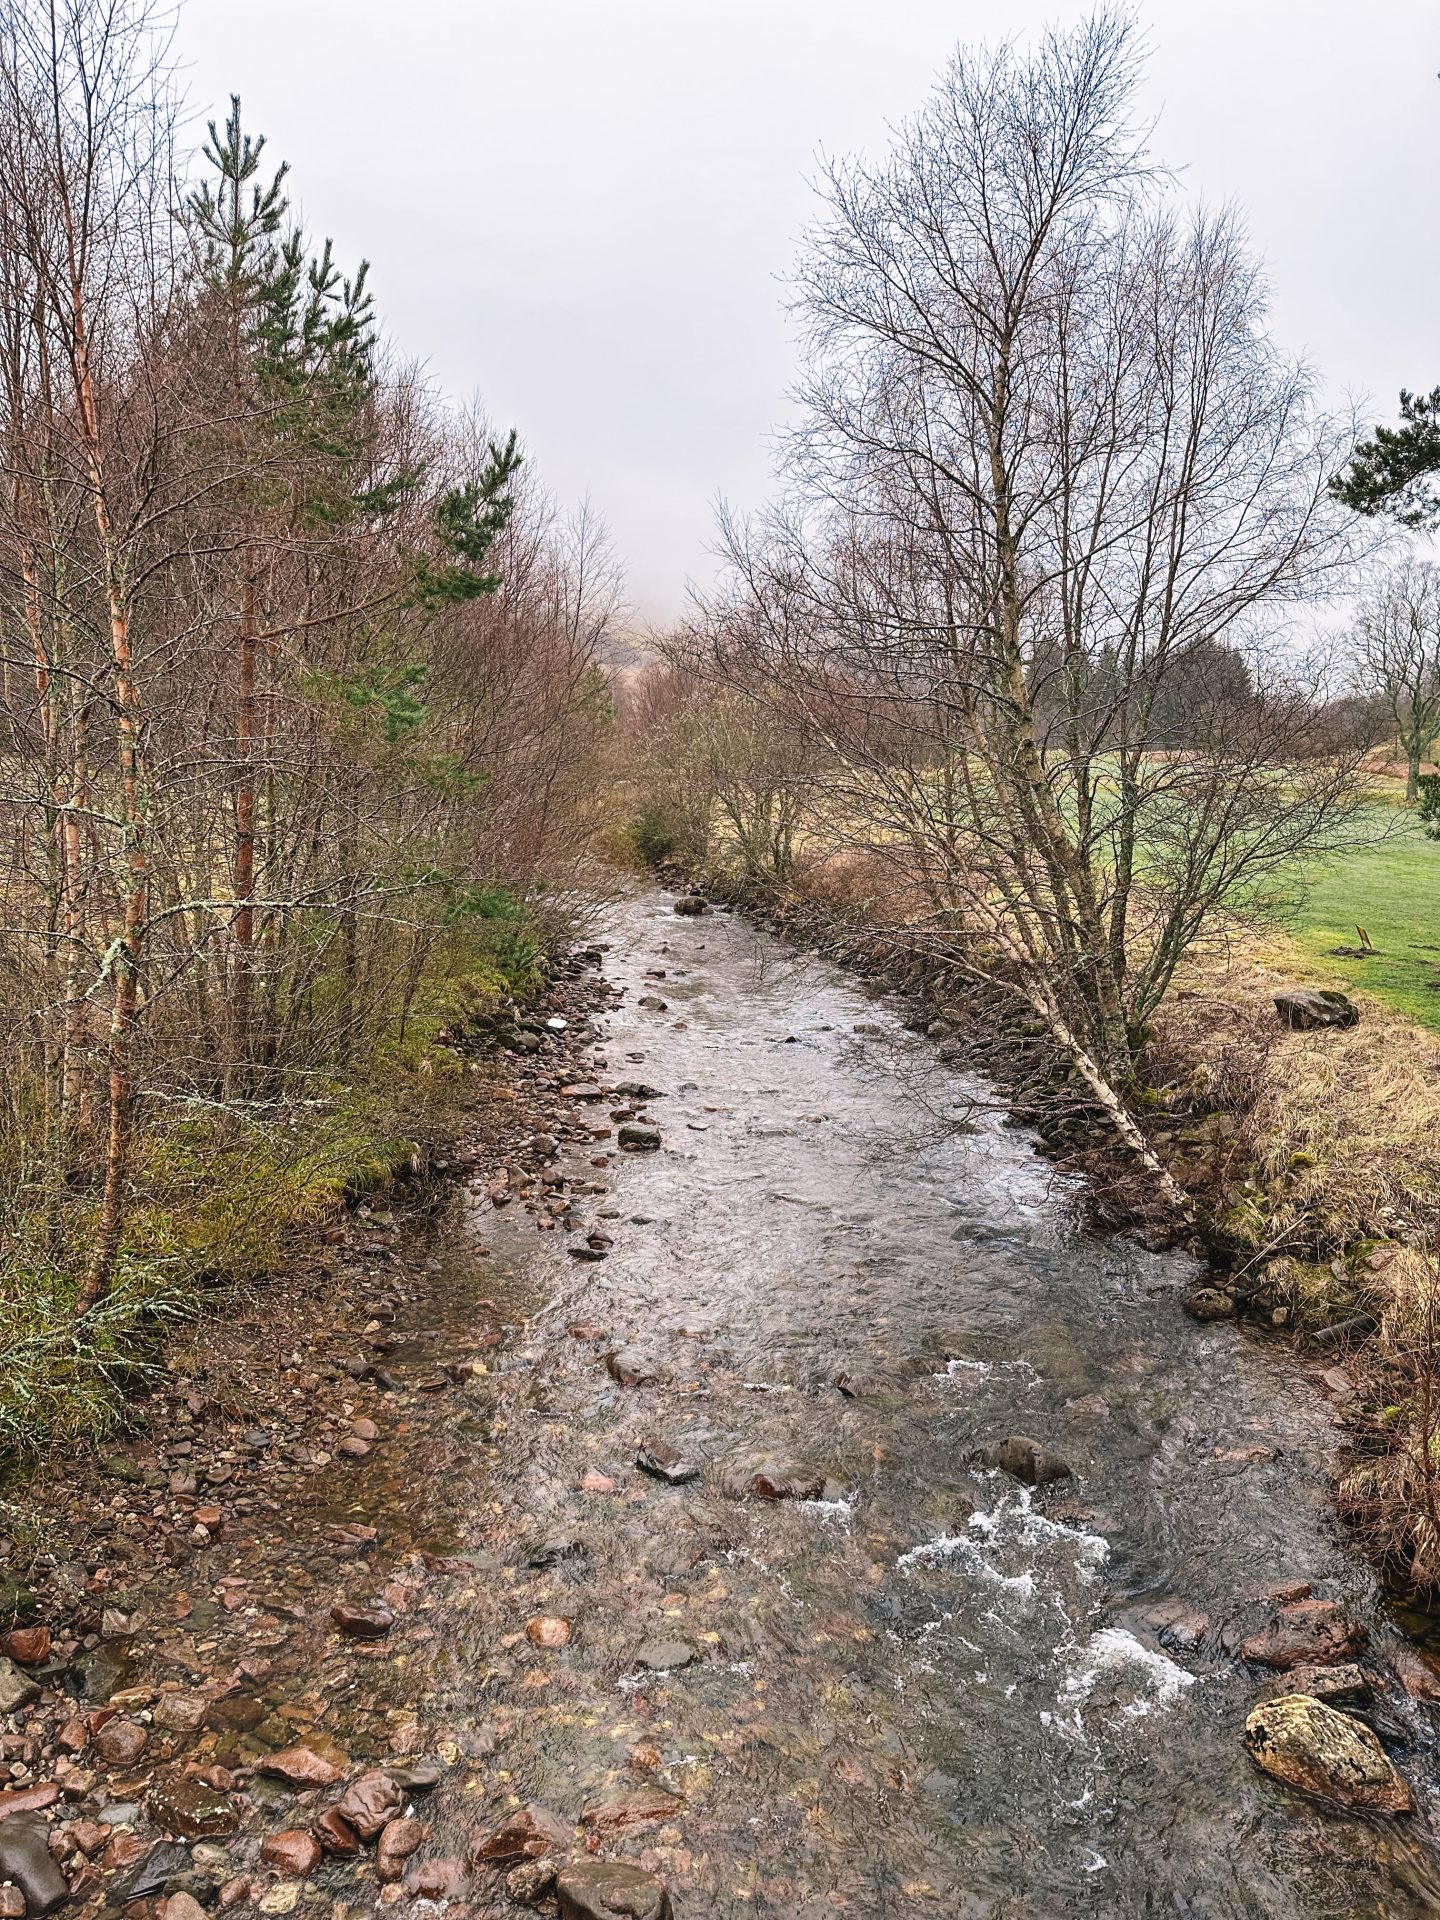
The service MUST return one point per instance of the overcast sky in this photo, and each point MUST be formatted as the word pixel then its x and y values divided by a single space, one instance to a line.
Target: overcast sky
pixel 583 211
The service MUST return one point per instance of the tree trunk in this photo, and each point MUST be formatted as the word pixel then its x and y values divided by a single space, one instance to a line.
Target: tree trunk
pixel 244 924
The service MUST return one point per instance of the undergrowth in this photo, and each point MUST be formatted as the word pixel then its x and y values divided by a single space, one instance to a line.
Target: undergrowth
pixel 225 1189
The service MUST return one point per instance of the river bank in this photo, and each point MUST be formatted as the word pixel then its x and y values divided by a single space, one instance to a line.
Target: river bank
pixel 510 1541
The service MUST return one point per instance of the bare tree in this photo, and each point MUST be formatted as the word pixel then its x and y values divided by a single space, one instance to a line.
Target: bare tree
pixel 1397 640
pixel 1050 460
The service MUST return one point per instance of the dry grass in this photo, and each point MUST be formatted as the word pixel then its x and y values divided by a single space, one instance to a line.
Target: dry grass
pixel 1340 1128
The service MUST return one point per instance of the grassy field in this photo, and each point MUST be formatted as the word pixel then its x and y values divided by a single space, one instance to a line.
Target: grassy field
pixel 1393 891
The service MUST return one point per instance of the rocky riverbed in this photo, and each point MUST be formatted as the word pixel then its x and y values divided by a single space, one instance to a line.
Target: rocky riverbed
pixel 753 1493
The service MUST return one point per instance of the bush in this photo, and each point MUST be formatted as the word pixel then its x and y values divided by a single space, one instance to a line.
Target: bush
pixel 652 837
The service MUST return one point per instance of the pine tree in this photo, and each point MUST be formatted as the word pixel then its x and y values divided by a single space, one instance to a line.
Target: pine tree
pixel 1396 472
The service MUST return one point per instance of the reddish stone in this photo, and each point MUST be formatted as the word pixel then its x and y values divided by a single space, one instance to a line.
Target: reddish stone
pixel 1308 1633
pixel 437 1880
pixel 630 1809
pixel 294 1852
pixel 335 1833
pixel 29 1646
pixel 125 1850
pixel 548 1630
pixel 90 1835
pixel 362 1623
pixel 12 1903
pixel 527 1835
pixel 1417 1673
pixel 29 1799
pixel 121 1742
pixel 398 1841
pixel 301 1767
pixel 180 1712
pixel 592 1481
pixel 73 1737
pixel 369 1802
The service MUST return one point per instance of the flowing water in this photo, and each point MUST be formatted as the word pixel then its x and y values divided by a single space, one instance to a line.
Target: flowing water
pixel 931 1690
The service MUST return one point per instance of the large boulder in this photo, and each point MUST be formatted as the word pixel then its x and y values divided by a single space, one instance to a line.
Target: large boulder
pixel 1309 1633
pixel 1330 1755
pixel 1307 1008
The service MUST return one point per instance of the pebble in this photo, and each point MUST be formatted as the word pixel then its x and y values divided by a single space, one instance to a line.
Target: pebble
pixel 664 1462
pixel 121 1742
pixel 294 1852
pixel 17 1689
pixel 362 1623
pixel 369 1802
pixel 548 1630
pixel 301 1766
pixel 398 1840
pixel 531 1881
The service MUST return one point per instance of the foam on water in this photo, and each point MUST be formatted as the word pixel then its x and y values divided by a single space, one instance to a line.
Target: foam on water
pixel 1112 1651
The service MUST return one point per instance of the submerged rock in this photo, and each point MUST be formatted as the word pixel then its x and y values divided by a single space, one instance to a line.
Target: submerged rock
pixel 610 1890
pixel 1308 1633
pixel 1209 1303
pixel 665 1656
pixel 398 1840
pixel 630 1809
pixel 25 1858
pixel 664 1462
pixel 1345 1685
pixel 1319 1751
pixel 634 1137
pixel 362 1623
pixel 1027 1460
pixel 191 1809
pixel 631 1368
pixel 301 1766
pixel 155 1872
pixel 770 1478
pixel 294 1852
pixel 529 1834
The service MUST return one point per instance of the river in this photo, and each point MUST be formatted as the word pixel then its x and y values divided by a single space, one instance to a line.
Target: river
pixel 931 1690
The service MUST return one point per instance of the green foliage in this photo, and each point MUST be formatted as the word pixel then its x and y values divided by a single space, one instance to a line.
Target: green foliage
pixel 390 695
pixel 506 930
pixel 1394 471
pixel 652 837
pixel 468 521
pixel 1429 809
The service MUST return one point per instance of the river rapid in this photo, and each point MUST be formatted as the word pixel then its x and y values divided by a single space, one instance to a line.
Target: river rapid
pixel 932 1689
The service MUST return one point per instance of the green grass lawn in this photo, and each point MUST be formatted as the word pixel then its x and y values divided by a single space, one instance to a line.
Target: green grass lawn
pixel 1393 891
